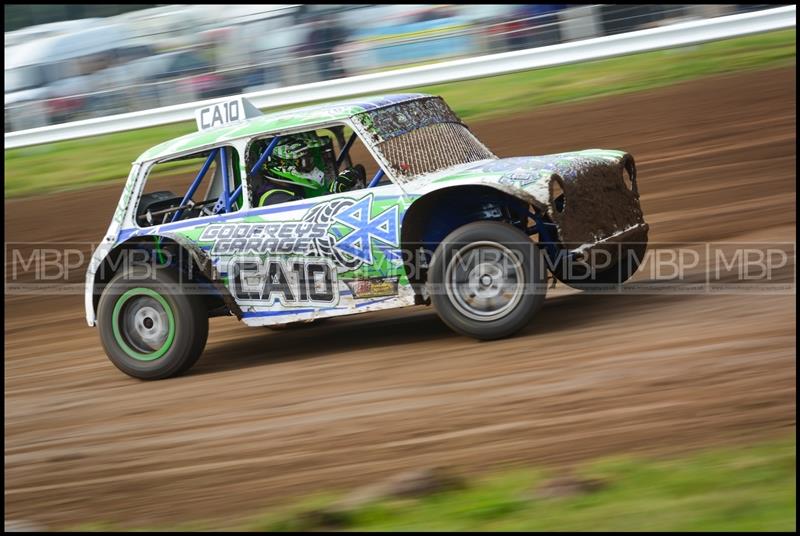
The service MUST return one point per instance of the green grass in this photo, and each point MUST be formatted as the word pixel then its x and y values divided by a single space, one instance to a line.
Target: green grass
pixel 478 99
pixel 77 163
pixel 730 489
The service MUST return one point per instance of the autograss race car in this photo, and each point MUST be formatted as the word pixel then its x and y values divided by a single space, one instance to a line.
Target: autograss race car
pixel 289 230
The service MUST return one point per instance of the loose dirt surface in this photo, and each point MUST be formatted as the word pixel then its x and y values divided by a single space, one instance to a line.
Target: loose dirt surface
pixel 269 415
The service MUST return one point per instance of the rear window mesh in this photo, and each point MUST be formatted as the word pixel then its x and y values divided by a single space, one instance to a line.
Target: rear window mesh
pixel 431 148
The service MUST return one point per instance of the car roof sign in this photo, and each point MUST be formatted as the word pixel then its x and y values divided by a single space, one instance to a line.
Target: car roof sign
pixel 224 113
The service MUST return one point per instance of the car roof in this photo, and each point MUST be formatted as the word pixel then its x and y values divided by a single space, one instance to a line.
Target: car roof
pixel 306 116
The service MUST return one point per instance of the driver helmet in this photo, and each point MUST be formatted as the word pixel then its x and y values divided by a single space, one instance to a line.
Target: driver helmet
pixel 306 160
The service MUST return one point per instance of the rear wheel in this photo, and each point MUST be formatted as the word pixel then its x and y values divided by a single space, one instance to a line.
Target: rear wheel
pixel 487 279
pixel 149 328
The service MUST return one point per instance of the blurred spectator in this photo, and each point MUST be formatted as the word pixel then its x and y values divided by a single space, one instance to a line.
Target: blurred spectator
pixel 217 50
pixel 323 39
pixel 538 26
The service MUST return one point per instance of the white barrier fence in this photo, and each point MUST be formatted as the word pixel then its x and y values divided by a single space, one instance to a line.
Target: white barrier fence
pixel 674 35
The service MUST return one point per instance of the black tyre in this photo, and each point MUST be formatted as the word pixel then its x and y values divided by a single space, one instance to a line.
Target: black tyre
pixel 582 276
pixel 487 279
pixel 149 328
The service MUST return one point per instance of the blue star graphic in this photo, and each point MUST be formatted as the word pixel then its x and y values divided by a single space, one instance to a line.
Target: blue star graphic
pixel 382 227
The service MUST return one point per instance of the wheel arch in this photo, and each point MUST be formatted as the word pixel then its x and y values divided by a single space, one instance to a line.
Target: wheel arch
pixel 437 213
pixel 189 258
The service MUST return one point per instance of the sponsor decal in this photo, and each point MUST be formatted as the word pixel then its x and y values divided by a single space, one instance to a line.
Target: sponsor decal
pixel 123 202
pixel 373 288
pixel 519 179
pixel 343 230
pixel 288 281
pixel 274 238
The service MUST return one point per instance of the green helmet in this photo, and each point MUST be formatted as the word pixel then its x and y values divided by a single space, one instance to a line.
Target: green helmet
pixel 305 160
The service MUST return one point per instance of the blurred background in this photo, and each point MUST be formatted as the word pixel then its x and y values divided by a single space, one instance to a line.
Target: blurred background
pixel 70 62
pixel 665 409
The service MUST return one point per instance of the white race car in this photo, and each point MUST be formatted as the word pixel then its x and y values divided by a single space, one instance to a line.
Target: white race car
pixel 443 221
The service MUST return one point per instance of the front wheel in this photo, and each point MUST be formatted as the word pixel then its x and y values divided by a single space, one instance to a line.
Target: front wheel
pixel 149 328
pixel 487 280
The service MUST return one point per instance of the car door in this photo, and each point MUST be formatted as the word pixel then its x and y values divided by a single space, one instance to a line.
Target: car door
pixel 324 256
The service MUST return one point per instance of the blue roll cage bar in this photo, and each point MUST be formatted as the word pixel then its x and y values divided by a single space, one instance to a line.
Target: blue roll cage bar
pixel 345 150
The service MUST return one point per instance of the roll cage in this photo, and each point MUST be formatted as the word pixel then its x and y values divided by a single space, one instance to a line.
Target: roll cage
pixel 227 199
pixel 382 124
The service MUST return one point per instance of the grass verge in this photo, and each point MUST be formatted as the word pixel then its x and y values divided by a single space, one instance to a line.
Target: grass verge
pixel 77 163
pixel 730 489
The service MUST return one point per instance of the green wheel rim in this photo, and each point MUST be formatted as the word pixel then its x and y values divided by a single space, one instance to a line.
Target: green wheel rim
pixel 115 316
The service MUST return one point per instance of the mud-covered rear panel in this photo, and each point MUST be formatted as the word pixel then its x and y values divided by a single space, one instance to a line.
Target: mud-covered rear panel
pixel 600 196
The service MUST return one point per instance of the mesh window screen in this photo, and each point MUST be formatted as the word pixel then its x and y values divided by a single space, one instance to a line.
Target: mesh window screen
pixel 421 136
pixel 432 148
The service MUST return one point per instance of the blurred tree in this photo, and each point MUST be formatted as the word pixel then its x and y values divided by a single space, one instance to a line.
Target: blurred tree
pixel 22 15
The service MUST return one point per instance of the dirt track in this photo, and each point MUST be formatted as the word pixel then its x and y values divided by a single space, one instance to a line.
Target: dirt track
pixel 269 415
